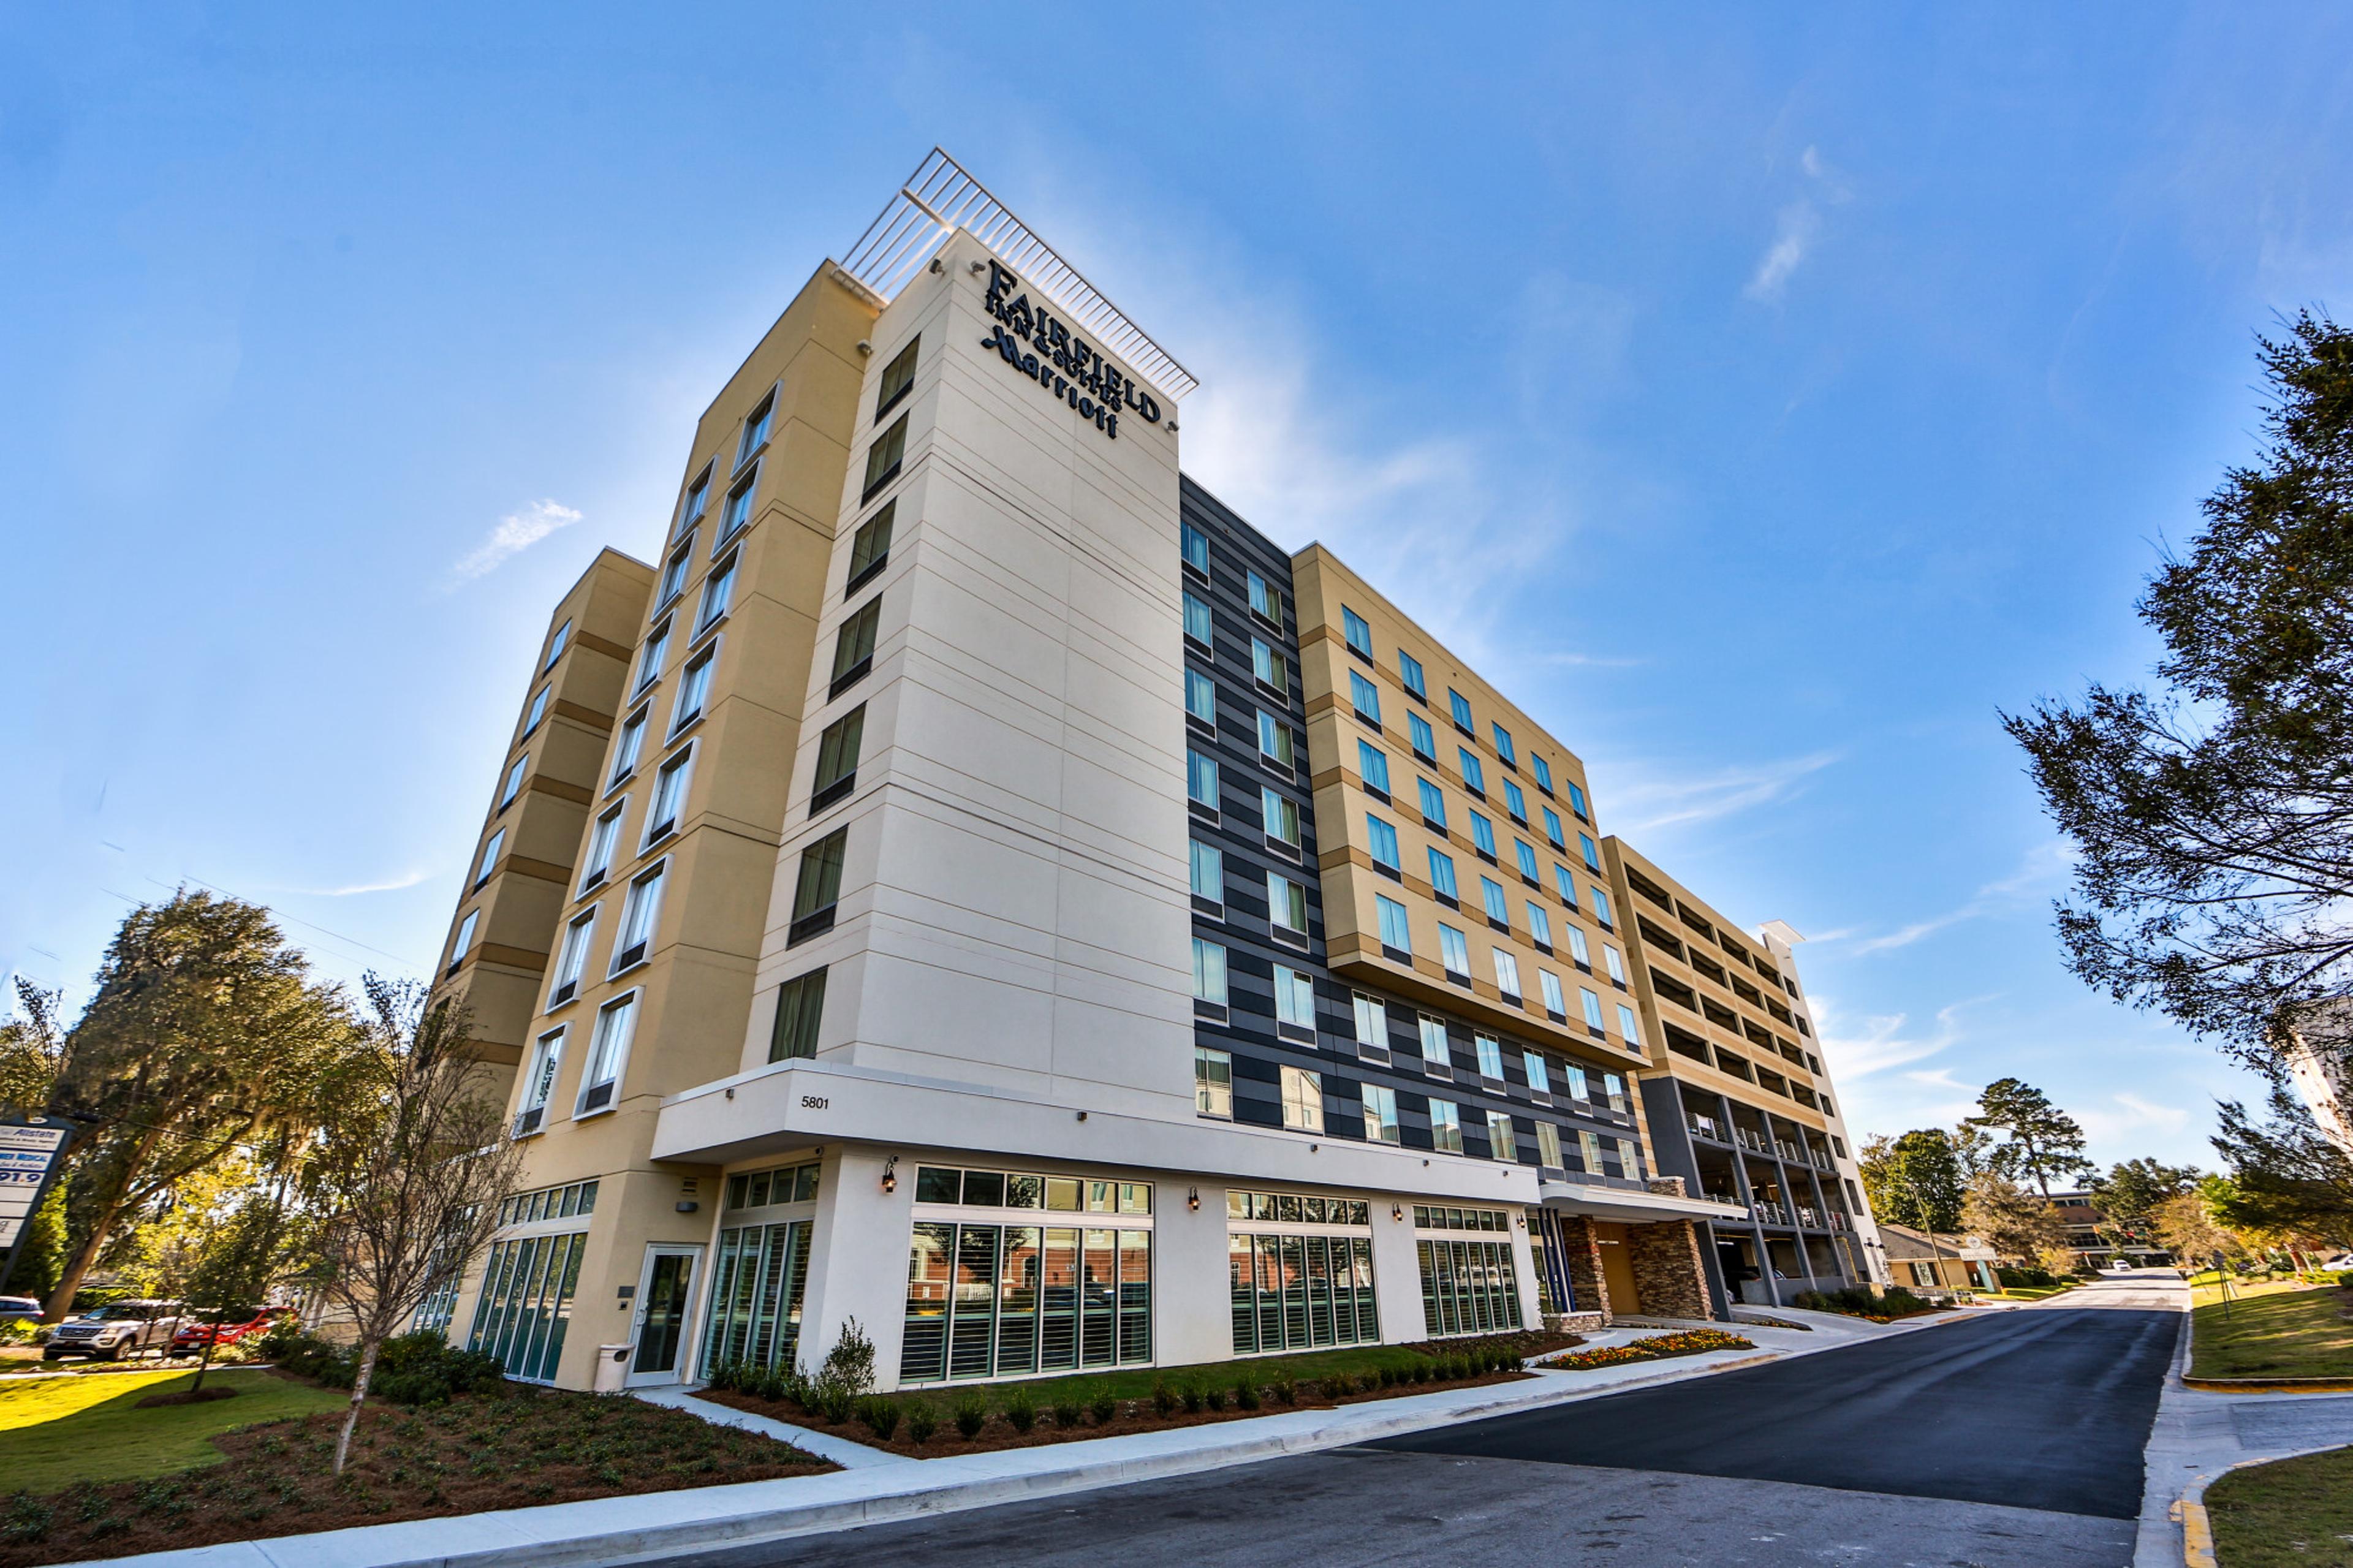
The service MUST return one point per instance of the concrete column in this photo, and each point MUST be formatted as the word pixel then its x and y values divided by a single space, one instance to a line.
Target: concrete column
pixel 858 1257
pixel 1192 1303
pixel 1397 1274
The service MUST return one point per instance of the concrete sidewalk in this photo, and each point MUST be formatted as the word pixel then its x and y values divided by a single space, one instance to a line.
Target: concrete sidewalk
pixel 879 1486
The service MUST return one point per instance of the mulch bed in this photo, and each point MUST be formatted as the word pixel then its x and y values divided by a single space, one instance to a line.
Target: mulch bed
pixel 514 1449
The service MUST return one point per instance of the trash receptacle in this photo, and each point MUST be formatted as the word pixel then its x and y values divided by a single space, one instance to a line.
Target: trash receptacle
pixel 612 1368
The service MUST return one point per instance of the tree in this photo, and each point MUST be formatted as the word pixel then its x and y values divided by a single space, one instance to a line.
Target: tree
pixel 2214 821
pixel 412 1174
pixel 1973 1147
pixel 240 1257
pixel 2130 1194
pixel 2020 1227
pixel 2186 1226
pixel 2286 1174
pixel 2038 1140
pixel 31 1045
pixel 205 1032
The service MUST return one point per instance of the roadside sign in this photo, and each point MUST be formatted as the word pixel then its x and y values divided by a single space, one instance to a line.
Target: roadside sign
pixel 28 1152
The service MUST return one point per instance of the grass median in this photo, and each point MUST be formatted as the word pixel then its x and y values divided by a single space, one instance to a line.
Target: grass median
pixel 54 1431
pixel 2281 1330
pixel 2294 1511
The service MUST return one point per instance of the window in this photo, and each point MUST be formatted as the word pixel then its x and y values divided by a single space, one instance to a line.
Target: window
pixel 1209 873
pixel 1384 843
pixel 1507 976
pixel 883 458
pixel 1208 972
pixel 631 744
pixel 1364 697
pixel 1434 1048
pixel 1358 635
pixel 572 958
pixel 870 548
pixel 1213 1083
pixel 1544 774
pixel 1539 1081
pixel 1628 1029
pixel 1615 1088
pixel 1196 618
pixel 1196 547
pixel 653 656
pixel 1294 1000
pixel 1552 829
pixel 1302 1099
pixel 853 647
pixel 1273 671
pixel 1577 801
pixel 1483 835
pixel 1286 903
pixel 1409 674
pixel 537 711
pixel 1380 1115
pixel 513 784
pixel 1372 1022
pixel 556 645
pixel 1601 908
pixel 639 913
pixel 1592 856
pixel 1425 739
pixel 599 858
pixel 1372 767
pixel 738 513
pixel 755 430
pixel 1575 1081
pixel 1461 711
pixel 1396 933
pixel 1577 950
pixel 1441 875
pixel 1515 802
pixel 1503 745
pixel 1549 1153
pixel 800 1004
pixel 546 1055
pixel 1445 1127
pixel 1615 964
pixel 1474 775
pixel 693 686
pixel 1592 1008
pixel 674 571
pixel 1553 1003
pixel 465 939
pixel 1539 924
pixel 1433 804
pixel 817 887
pixel 718 590
pixel 1202 781
pixel 1491 1057
pixel 490 857
pixel 1201 698
pixel 1455 952
pixel 898 378
pixel 608 1051
pixel 1568 888
pixel 698 494
pixel 1265 600
pixel 1527 858
pixel 1491 895
pixel 837 759
pixel 1501 1144
pixel 1280 814
pixel 1275 741
pixel 670 795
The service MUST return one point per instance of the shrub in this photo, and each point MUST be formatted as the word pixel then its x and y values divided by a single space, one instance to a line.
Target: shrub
pixel 1102 1404
pixel 27 1519
pixel 881 1416
pixel 1388 1376
pixel 2346 1278
pixel 1164 1398
pixel 2026 1278
pixel 1194 1398
pixel 1068 1406
pixel 1245 1393
pixel 1213 1396
pixel 923 1420
pixel 1286 1388
pixel 846 1377
pixel 830 1400
pixel 1021 1409
pixel 971 1412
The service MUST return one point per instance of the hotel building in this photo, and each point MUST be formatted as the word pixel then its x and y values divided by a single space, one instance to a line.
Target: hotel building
pixel 975 885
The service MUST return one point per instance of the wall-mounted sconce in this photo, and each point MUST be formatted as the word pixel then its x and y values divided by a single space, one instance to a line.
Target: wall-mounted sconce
pixel 977 266
pixel 1083 1116
pixel 891 1175
pixel 1397 1211
pixel 938 266
pixel 1193 1198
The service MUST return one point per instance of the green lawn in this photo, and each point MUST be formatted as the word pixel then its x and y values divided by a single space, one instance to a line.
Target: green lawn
pixel 2285 1331
pixel 2024 1293
pixel 54 1431
pixel 2294 1512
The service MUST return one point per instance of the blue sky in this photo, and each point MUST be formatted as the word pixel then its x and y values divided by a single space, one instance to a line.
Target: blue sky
pixel 1765 397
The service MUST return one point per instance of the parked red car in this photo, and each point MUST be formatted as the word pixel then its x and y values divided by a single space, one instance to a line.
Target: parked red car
pixel 236 1325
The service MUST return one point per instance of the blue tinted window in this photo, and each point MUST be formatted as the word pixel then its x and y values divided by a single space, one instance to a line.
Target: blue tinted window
pixel 1425 739
pixel 1373 766
pixel 1359 634
pixel 1410 672
pixel 1384 842
pixel 1433 802
pixel 1441 873
pixel 1482 833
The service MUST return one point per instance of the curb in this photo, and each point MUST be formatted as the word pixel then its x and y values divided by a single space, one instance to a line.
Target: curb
pixel 2197 1535
pixel 2270 1384
pixel 619 1529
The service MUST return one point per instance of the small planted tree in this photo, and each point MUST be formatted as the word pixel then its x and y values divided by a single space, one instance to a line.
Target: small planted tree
pixel 239 1261
pixel 411 1175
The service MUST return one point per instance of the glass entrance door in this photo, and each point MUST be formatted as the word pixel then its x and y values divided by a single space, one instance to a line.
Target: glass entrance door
pixel 664 1290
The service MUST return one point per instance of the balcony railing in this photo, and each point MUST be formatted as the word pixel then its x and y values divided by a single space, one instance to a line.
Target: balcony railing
pixel 1810 1216
pixel 1748 1140
pixel 1788 1151
pixel 1770 1214
pixel 1704 1126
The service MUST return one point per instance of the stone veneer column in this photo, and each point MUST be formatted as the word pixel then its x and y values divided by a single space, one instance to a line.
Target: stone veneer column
pixel 1582 1255
pixel 1667 1271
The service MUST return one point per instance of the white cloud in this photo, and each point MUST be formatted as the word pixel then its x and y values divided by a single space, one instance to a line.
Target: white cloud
pixel 2131 1113
pixel 1881 1043
pixel 1664 799
pixel 1796 227
pixel 392 885
pixel 2040 866
pixel 516 532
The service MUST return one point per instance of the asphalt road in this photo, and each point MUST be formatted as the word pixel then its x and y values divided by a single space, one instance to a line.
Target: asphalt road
pixel 2012 1440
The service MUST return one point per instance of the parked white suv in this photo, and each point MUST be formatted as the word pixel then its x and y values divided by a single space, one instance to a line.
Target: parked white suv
pixel 117 1330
